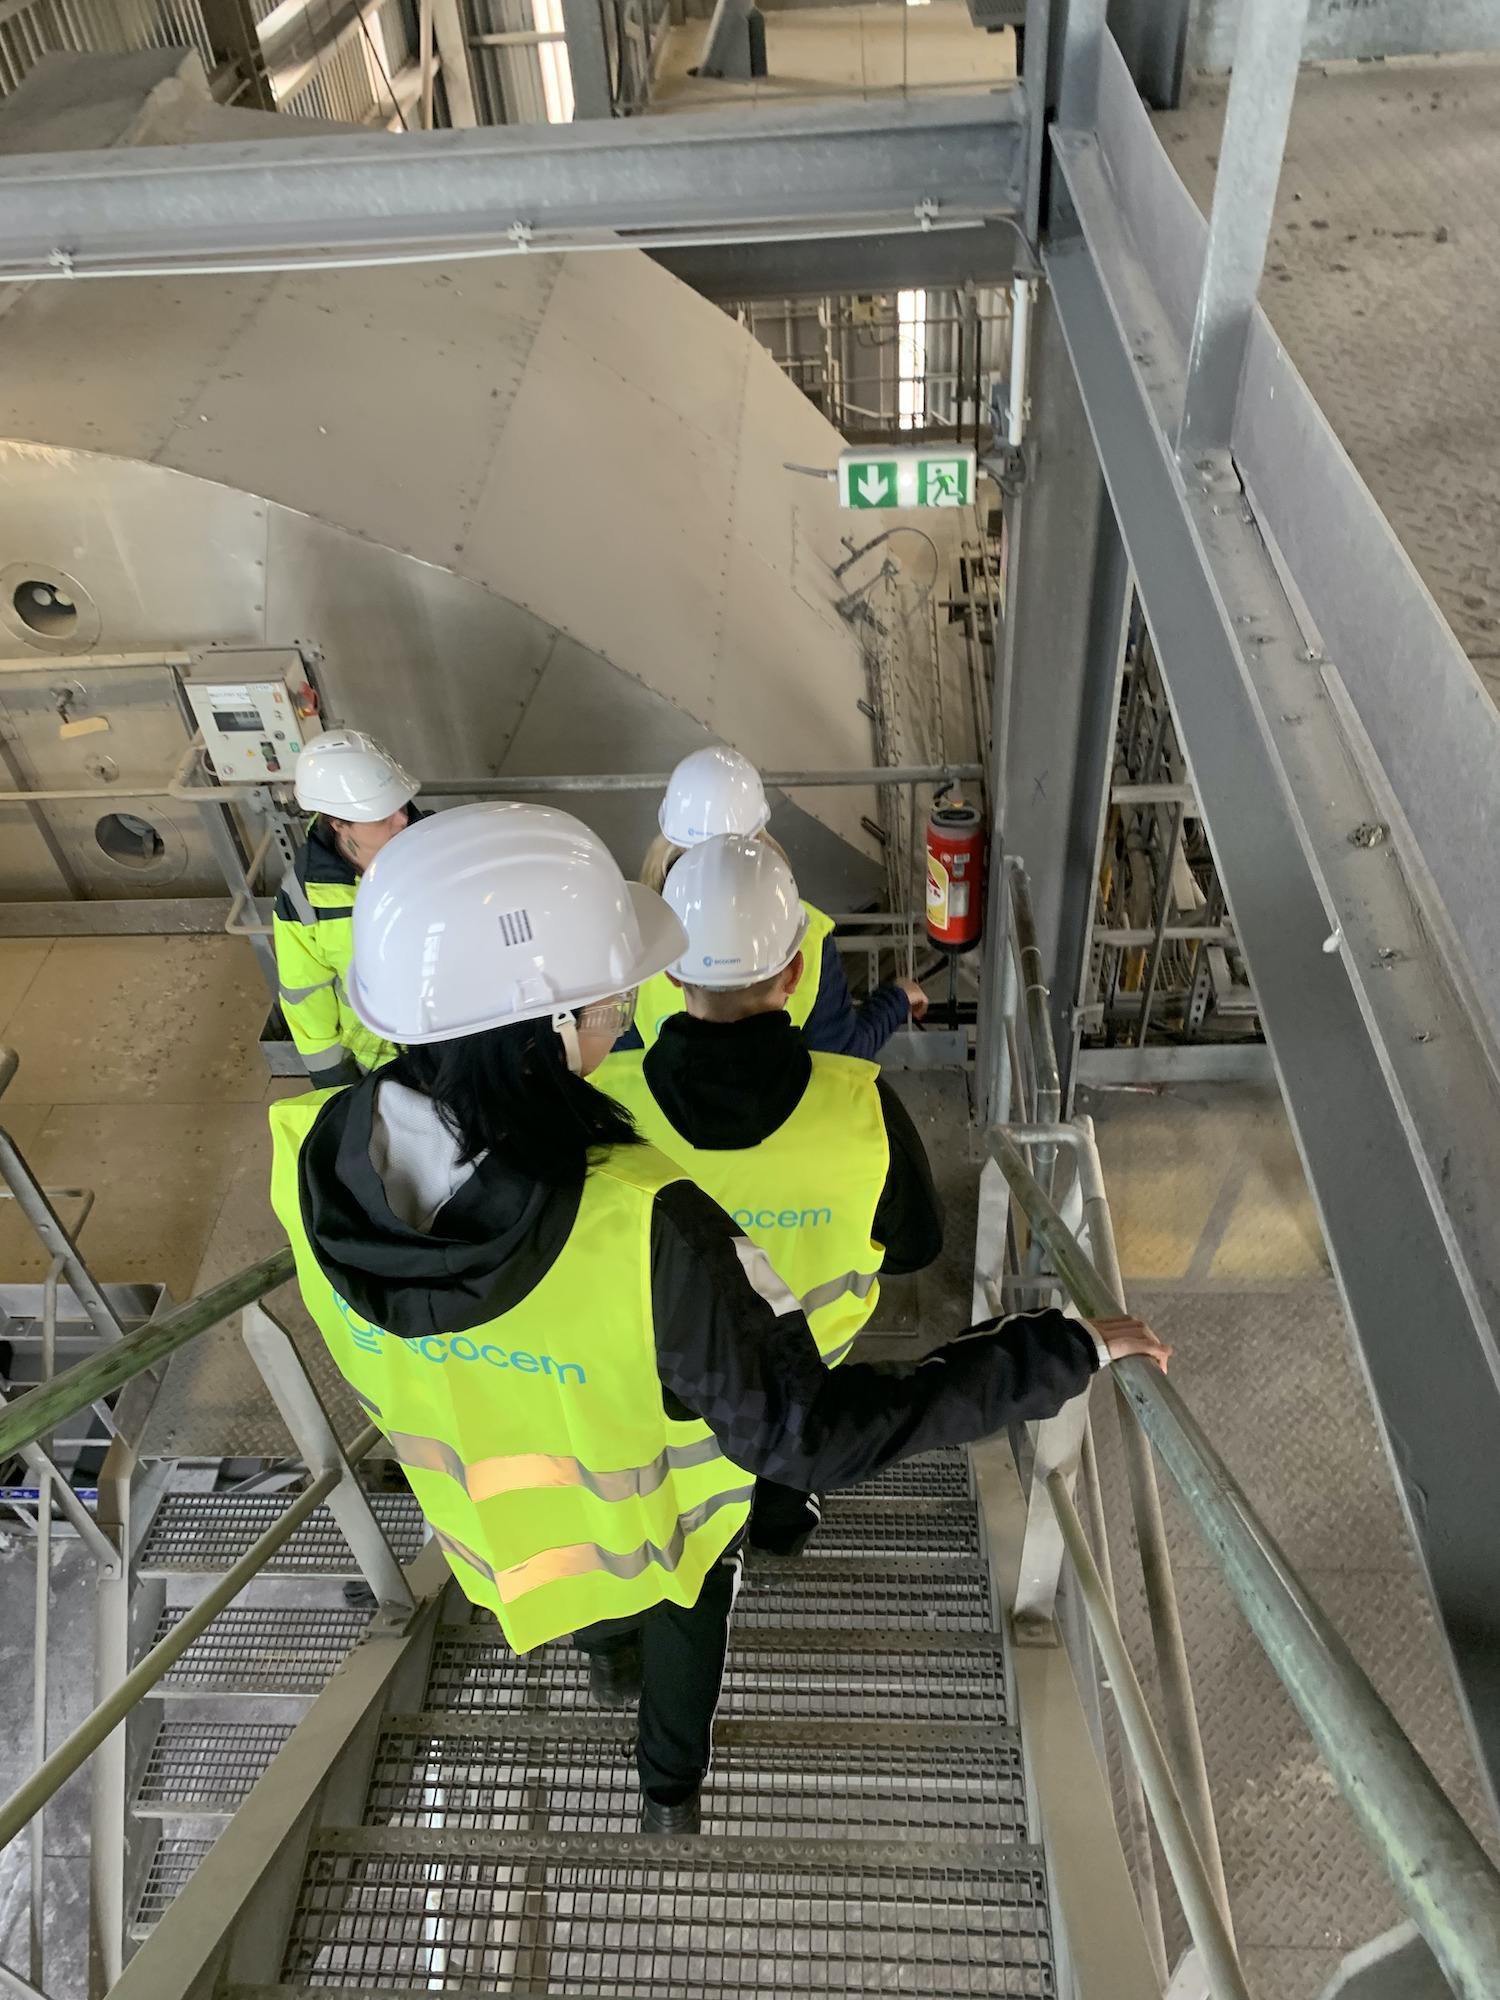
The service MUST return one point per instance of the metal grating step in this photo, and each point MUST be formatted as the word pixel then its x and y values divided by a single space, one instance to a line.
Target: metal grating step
pixel 936 1475
pixel 211 1531
pixel 856 1527
pixel 171 1866
pixel 879 1788
pixel 836 1595
pixel 272 1650
pixel 538 1914
pixel 891 1677
pixel 206 1766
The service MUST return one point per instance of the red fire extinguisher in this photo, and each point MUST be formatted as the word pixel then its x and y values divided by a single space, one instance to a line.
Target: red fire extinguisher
pixel 955 876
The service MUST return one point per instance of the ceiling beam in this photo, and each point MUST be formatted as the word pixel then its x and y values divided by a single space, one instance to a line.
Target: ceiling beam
pixel 923 167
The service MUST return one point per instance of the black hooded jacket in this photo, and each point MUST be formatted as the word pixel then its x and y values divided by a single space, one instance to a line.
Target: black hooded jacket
pixel 731 1345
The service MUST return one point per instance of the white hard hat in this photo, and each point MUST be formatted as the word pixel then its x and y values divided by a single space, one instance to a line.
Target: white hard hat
pixel 740 908
pixel 713 791
pixel 346 773
pixel 497 913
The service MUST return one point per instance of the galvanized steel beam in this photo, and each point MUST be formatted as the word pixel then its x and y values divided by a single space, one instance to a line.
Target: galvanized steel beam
pixel 1385 1068
pixel 923 165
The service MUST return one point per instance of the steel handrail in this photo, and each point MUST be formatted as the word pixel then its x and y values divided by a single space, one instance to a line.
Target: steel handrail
pixel 42 1409
pixel 1439 1869
pixel 1200 1903
pixel 657 781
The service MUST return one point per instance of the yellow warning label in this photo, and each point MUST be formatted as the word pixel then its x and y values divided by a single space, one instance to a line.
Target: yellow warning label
pixel 937 893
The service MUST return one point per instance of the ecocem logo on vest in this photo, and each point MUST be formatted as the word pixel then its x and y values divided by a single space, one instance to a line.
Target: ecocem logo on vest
pixel 786 1218
pixel 439 1348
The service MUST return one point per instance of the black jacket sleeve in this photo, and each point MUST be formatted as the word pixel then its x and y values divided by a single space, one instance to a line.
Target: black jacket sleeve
pixel 909 1219
pixel 733 1348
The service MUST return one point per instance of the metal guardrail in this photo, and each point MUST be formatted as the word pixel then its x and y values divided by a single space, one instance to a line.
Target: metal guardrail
pixel 1440 1871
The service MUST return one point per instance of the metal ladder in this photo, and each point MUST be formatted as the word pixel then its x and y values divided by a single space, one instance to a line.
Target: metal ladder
pixel 866 1807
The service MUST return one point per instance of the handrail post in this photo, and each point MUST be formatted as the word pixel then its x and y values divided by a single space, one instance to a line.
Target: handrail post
pixel 274 1354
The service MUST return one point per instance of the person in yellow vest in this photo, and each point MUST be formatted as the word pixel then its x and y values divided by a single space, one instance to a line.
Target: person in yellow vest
pixel 717 791
pixel 812 1155
pixel 359 798
pixel 579 1359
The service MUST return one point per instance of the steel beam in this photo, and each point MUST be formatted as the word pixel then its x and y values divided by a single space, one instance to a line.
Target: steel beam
pixel 1266 56
pixel 588 59
pixel 924 165
pixel 1385 1071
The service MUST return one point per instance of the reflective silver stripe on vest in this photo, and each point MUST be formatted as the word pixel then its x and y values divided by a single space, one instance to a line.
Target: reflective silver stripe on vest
pixel 456 1548
pixel 529 1470
pixel 861 1283
pixel 365 1403
pixel 832 1360
pixel 588 1559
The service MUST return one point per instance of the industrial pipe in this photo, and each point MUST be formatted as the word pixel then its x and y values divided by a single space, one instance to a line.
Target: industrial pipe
pixel 657 781
pixel 1440 1871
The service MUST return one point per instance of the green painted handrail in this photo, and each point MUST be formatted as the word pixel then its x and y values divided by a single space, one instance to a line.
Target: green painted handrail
pixel 42 1409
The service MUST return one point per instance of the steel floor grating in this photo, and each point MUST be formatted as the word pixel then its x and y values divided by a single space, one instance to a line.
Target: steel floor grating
pixel 875 1676
pixel 833 1596
pixel 937 1475
pixel 211 1531
pixel 920 1527
pixel 206 1766
pixel 529 1783
pixel 171 1867
pixel 665 1927
pixel 274 1650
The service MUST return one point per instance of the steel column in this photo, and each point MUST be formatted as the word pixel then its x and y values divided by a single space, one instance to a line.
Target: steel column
pixel 588 58
pixel 1266 56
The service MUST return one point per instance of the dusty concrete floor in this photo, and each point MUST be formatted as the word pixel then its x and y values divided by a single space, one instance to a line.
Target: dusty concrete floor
pixel 1221 1251
pixel 1382 277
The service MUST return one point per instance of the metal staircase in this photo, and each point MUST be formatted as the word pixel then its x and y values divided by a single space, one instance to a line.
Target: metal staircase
pixel 866 1809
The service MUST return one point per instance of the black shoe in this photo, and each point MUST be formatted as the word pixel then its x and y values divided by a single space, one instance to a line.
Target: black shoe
pixel 615 1676
pixel 359 1594
pixel 659 1819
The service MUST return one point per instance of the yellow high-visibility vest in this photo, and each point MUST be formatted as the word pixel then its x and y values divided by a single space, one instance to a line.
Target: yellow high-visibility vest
pixel 537 1443
pixel 807 1194
pixel 658 997
pixel 313 950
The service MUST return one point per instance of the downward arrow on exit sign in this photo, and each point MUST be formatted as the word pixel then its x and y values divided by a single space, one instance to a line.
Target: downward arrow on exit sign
pixel 868 483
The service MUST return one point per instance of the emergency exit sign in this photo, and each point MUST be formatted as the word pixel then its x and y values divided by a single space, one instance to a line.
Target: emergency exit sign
pixel 906 477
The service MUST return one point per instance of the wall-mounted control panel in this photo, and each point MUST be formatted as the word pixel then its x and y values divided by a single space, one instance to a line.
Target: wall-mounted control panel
pixel 254 722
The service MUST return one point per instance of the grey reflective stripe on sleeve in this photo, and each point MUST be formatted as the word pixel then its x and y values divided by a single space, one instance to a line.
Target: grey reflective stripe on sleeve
pixel 295 995
pixel 759 1269
pixel 296 895
pixel 861 1283
pixel 526 1472
pixel 330 1058
pixel 588 1559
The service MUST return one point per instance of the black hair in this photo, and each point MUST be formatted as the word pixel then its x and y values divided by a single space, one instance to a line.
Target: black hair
pixel 509 1091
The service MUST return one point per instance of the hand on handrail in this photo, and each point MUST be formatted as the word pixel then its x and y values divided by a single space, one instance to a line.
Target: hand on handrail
pixel 1128 1335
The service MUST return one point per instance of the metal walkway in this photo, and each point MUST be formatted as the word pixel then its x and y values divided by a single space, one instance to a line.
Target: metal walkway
pixel 865 1821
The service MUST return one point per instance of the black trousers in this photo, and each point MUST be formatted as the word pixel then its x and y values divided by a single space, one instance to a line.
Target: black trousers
pixel 782 1520
pixel 682 1651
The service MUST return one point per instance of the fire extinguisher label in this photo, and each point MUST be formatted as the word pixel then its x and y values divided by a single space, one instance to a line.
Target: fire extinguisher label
pixel 938 885
pixel 958 900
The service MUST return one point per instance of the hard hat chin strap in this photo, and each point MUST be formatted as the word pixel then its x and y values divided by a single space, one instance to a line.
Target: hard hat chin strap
pixel 566 1029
